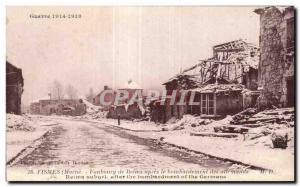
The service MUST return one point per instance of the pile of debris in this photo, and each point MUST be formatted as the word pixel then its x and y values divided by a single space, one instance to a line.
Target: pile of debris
pixel 251 118
pixel 18 123
pixel 92 111
pixel 98 115
pixel 91 108
pixel 275 125
pixel 93 115
pixel 244 115
pixel 186 122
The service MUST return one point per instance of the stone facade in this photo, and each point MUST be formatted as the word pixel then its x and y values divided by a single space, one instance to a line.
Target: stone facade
pixel 277 46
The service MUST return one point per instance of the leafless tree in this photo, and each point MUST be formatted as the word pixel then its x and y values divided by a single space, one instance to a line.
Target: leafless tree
pixel 90 95
pixel 71 92
pixel 56 90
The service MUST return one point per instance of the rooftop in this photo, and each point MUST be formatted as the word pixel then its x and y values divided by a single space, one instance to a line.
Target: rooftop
pixel 217 88
pixel 131 85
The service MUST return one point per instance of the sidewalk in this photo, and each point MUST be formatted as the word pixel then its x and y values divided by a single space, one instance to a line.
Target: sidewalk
pixel 278 160
pixel 18 140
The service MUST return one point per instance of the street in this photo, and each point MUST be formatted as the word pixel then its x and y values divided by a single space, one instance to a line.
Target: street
pixel 80 144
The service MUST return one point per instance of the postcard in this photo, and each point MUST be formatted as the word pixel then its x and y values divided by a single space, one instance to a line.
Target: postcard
pixel 150 93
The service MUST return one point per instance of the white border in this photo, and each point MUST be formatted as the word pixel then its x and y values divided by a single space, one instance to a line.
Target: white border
pixel 151 2
pixel 106 3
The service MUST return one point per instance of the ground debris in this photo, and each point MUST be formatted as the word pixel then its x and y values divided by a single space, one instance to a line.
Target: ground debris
pixel 244 115
pixel 251 116
pixel 18 123
pixel 187 122
pixel 221 135
pixel 230 129
pixel 279 139
pixel 93 115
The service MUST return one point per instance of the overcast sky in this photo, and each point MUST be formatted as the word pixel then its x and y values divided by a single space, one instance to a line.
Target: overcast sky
pixel 109 46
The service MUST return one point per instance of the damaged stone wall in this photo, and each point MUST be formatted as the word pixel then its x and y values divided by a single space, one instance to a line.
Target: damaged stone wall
pixel 276 65
pixel 14 89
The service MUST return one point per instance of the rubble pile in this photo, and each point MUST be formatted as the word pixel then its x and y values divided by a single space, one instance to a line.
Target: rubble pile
pixel 97 115
pixel 244 115
pixel 94 115
pixel 92 111
pixel 250 116
pixel 273 128
pixel 186 122
pixel 91 108
pixel 18 123
pixel 272 138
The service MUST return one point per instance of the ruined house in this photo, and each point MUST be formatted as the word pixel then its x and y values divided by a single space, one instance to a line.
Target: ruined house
pixel 124 109
pixel 235 61
pixel 108 98
pixel 232 70
pixel 14 88
pixel 277 48
pixel 71 107
pixel 218 100
pixel 131 87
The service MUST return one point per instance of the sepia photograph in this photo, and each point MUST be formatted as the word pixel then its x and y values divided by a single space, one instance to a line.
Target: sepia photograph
pixel 150 93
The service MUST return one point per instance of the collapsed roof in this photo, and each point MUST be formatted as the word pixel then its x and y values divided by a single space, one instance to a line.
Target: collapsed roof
pixel 234 46
pixel 247 60
pixel 236 52
pixel 217 88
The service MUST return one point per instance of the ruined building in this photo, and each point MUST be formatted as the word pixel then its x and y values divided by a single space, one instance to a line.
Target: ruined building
pixel 108 98
pixel 71 107
pixel 124 109
pixel 219 82
pixel 14 88
pixel 277 47
pixel 235 61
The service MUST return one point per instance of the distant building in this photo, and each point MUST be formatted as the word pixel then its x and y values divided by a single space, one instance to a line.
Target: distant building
pixel 14 88
pixel 277 46
pixel 72 107
pixel 108 98
pixel 125 109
